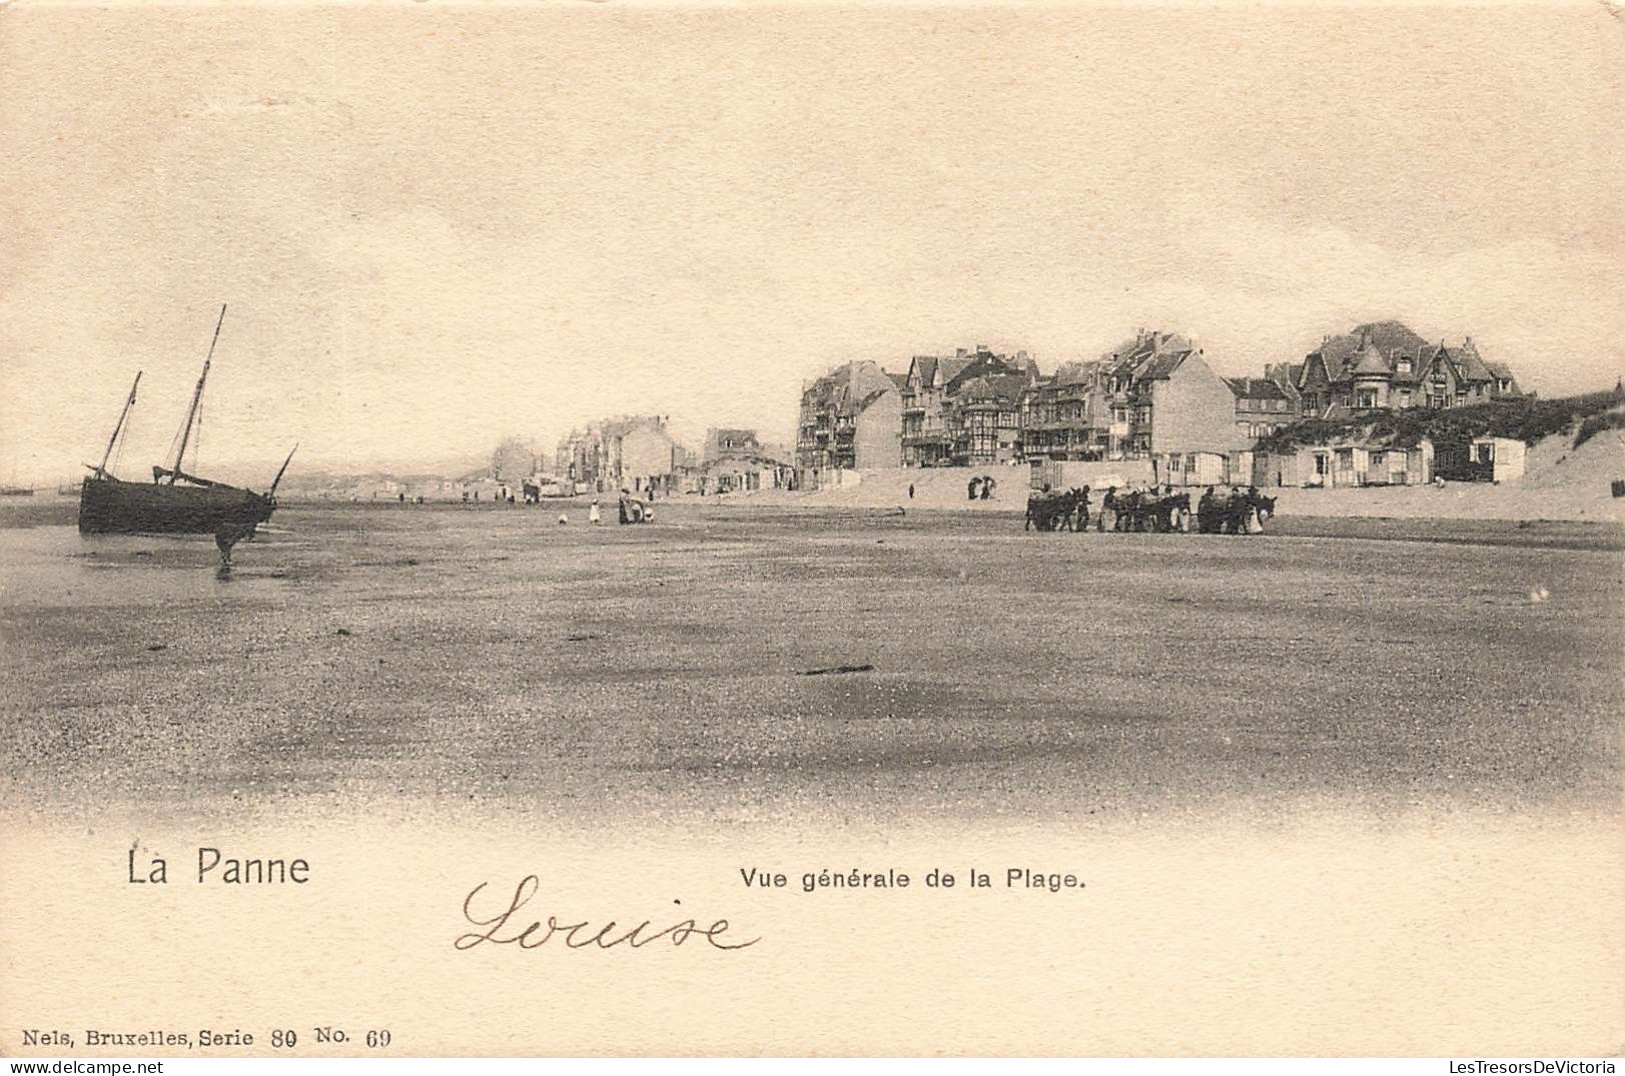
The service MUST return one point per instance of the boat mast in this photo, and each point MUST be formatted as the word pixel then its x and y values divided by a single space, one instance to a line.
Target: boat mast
pixel 101 471
pixel 197 395
pixel 277 481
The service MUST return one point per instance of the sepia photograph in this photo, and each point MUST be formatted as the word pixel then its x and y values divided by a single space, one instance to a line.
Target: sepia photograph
pixel 812 529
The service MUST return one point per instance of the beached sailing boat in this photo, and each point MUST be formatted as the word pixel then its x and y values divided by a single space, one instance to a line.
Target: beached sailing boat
pixel 175 502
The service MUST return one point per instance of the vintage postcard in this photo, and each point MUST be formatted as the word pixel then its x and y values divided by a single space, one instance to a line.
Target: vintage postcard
pixel 717 529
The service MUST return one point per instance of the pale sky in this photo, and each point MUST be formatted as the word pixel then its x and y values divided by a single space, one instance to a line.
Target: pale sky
pixel 436 226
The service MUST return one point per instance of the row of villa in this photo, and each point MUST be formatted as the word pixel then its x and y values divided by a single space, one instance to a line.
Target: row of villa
pixel 1153 400
pixel 641 455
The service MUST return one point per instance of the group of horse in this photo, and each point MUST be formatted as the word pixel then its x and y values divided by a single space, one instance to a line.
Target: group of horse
pixel 1234 511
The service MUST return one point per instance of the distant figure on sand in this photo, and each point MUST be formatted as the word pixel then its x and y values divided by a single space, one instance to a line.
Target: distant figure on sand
pixel 592 513
pixel 911 491
pixel 564 518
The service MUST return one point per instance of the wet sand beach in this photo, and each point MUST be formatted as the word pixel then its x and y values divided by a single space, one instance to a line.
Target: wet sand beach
pixel 734 664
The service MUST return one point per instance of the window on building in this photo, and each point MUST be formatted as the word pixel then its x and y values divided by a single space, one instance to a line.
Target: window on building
pixel 1368 397
pixel 1486 453
pixel 1403 366
pixel 1345 459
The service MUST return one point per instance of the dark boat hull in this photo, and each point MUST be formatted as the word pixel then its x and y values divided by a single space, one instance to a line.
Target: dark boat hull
pixel 108 506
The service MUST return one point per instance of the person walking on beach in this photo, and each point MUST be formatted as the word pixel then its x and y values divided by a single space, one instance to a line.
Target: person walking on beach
pixel 592 513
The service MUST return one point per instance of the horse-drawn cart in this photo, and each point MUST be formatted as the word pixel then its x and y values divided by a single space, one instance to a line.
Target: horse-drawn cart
pixel 633 510
pixel 1231 512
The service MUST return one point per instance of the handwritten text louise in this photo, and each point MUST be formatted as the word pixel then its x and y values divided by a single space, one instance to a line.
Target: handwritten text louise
pixel 511 926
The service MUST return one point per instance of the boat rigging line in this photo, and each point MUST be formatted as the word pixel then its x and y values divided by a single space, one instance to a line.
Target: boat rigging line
pixel 197 398
pixel 120 431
